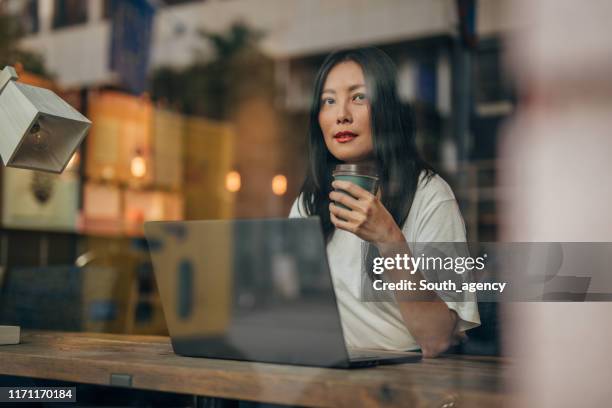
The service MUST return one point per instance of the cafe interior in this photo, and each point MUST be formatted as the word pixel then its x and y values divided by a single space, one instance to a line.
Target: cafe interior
pixel 199 110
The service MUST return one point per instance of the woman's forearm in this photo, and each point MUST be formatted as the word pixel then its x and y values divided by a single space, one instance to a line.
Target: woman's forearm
pixel 432 324
pixel 426 316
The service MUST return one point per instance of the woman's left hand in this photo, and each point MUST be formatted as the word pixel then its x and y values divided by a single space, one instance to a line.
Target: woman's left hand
pixel 368 217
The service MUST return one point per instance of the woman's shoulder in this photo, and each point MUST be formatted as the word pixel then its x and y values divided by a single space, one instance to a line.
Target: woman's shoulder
pixel 432 188
pixel 298 209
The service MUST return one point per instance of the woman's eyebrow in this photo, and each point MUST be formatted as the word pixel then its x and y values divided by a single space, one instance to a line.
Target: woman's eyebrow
pixel 350 88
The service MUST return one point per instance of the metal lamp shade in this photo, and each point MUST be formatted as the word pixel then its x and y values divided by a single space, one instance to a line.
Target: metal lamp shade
pixel 38 130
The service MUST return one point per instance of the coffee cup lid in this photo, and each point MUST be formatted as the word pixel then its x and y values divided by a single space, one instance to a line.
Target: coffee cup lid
pixel 354 168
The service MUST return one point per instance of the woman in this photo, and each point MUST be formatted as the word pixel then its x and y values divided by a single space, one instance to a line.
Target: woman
pixel 357 117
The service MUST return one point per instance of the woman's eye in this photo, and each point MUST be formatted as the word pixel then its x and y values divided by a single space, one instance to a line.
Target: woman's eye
pixel 359 97
pixel 328 101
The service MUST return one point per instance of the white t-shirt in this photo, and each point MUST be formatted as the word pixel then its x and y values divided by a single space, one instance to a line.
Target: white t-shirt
pixel 433 217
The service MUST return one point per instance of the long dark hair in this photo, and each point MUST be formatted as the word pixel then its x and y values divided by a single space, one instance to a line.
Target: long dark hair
pixel 393 138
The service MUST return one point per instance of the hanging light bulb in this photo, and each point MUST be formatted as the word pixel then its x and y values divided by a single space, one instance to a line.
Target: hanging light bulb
pixel 39 138
pixel 138 165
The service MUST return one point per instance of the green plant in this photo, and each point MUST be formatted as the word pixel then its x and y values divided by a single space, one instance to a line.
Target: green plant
pixel 212 87
pixel 10 54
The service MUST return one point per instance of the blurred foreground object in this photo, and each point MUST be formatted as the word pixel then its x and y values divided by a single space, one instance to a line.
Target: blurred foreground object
pixel 38 130
pixel 559 149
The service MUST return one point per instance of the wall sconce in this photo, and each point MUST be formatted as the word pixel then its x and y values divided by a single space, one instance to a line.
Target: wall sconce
pixel 279 184
pixel 233 182
pixel 38 130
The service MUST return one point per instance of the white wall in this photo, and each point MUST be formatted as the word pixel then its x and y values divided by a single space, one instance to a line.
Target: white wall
pixel 494 17
pixel 79 55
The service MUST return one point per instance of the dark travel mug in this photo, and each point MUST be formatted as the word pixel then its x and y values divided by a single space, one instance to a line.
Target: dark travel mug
pixel 364 175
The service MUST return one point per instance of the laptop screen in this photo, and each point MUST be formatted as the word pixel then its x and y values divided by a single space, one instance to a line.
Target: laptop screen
pixel 256 290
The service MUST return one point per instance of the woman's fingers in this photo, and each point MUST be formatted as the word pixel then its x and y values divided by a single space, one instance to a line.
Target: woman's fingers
pixel 344 199
pixel 351 188
pixel 343 213
pixel 360 204
pixel 338 223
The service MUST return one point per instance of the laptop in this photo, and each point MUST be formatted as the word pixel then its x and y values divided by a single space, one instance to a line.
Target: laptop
pixel 253 290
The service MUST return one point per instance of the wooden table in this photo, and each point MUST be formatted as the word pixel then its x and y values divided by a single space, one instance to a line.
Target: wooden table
pixel 147 362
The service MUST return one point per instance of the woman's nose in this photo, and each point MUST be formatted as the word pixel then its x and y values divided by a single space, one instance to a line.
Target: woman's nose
pixel 344 114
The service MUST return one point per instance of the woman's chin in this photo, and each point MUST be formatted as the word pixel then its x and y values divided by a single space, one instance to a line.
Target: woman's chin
pixel 352 158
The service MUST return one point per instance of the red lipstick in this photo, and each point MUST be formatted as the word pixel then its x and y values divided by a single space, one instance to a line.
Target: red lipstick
pixel 345 136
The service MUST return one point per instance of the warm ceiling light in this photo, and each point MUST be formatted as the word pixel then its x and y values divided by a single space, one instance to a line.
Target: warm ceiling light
pixel 279 184
pixel 232 181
